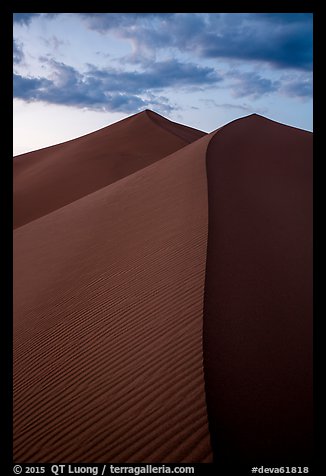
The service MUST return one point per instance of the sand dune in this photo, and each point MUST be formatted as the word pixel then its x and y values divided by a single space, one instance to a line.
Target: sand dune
pixel 258 292
pixel 162 302
pixel 108 321
pixel 52 177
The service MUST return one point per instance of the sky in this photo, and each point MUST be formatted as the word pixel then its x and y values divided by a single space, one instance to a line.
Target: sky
pixel 75 73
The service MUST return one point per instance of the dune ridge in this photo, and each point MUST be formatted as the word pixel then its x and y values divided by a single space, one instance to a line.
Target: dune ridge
pixel 108 321
pixel 166 316
pixel 50 178
pixel 258 293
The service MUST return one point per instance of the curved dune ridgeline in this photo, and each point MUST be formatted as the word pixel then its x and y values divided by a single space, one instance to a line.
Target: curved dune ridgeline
pixel 162 295
pixel 108 321
pixel 50 178
pixel 258 293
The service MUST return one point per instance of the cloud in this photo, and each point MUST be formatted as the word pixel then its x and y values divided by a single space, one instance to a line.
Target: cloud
pixel 54 43
pixel 301 87
pixel 24 18
pixel 110 89
pixel 282 18
pixel 284 46
pixel 18 54
pixel 282 40
pixel 104 22
pixel 40 89
pixel 29 88
pixel 279 40
pixel 213 103
pixel 169 73
pixel 239 107
pixel 251 84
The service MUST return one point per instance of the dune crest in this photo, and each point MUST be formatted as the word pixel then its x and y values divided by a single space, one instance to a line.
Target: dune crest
pixel 163 302
pixel 108 321
pixel 258 293
pixel 50 178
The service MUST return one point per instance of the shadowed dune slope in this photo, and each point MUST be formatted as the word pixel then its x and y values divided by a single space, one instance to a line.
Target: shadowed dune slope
pixel 258 293
pixel 47 179
pixel 108 302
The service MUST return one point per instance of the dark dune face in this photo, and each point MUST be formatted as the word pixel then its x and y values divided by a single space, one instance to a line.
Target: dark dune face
pixel 163 296
pixel 258 293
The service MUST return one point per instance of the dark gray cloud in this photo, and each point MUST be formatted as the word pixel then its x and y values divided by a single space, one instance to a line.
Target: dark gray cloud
pixel 126 91
pixel 18 54
pixel 158 76
pixel 24 18
pixel 282 18
pixel 109 89
pixel 29 88
pixel 283 40
pixel 253 85
pixel 40 89
pixel 279 48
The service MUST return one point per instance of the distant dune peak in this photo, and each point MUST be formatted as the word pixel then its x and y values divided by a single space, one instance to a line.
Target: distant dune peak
pixel 83 165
